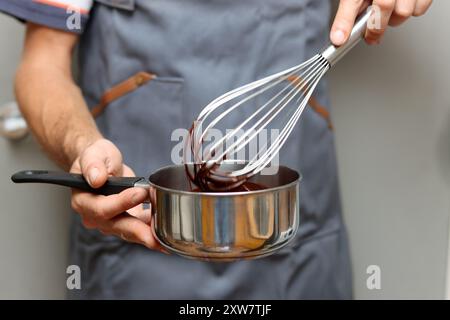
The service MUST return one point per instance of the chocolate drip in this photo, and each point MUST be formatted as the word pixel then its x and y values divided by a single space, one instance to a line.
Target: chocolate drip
pixel 208 178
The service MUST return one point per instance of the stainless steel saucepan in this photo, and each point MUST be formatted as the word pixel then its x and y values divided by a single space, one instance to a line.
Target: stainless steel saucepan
pixel 202 225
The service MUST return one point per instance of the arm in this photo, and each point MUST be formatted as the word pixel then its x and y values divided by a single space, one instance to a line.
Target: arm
pixel 59 118
pixel 49 99
pixel 392 12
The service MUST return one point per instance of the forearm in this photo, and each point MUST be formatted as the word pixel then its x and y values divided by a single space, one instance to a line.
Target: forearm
pixel 55 111
pixel 53 105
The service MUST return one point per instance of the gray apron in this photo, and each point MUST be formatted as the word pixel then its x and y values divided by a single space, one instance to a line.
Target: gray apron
pixel 200 49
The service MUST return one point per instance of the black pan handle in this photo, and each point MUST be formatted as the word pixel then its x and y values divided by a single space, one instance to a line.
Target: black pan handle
pixel 114 185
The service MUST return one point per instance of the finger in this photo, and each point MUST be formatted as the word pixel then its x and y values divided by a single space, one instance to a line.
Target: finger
pixel 102 208
pixel 88 223
pixel 383 10
pixel 145 215
pixel 76 167
pixel 152 196
pixel 422 7
pixel 139 212
pixel 99 161
pixel 127 171
pixel 133 230
pixel 404 9
pixel 345 19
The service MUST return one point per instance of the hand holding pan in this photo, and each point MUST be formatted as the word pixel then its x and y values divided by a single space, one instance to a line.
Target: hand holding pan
pixel 224 215
pixel 119 213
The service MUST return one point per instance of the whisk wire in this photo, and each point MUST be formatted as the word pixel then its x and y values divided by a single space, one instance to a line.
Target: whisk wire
pixel 281 139
pixel 259 162
pixel 241 91
pixel 270 115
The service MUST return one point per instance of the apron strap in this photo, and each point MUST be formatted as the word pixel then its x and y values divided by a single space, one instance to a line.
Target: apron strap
pixel 321 111
pixel 123 88
pixel 314 103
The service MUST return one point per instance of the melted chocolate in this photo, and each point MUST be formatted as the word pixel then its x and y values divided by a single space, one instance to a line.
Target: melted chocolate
pixel 246 187
pixel 207 178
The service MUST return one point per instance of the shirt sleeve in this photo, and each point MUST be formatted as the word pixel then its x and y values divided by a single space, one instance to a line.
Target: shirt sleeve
pixel 67 15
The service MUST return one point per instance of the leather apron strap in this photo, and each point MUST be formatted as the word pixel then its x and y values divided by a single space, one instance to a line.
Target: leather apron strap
pixel 121 89
pixel 313 102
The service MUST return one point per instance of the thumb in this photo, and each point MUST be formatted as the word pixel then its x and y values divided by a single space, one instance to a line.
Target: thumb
pixel 98 162
pixel 93 168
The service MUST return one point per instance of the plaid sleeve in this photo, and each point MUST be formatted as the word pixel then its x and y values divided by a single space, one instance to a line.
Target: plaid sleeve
pixel 67 15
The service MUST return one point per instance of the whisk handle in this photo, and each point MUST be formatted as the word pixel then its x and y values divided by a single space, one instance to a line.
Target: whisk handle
pixel 333 54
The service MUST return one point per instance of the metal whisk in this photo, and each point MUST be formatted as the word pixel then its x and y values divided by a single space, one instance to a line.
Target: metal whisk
pixel 293 86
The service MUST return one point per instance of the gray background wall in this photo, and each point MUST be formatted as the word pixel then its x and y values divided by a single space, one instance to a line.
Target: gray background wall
pixel 34 227
pixel 392 118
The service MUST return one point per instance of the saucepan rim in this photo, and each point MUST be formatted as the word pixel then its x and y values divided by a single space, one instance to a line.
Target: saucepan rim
pixel 222 194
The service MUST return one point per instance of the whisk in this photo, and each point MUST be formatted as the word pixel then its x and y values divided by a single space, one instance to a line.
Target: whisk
pixel 292 86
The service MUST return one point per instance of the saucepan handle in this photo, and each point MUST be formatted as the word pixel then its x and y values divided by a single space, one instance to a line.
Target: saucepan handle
pixel 114 185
